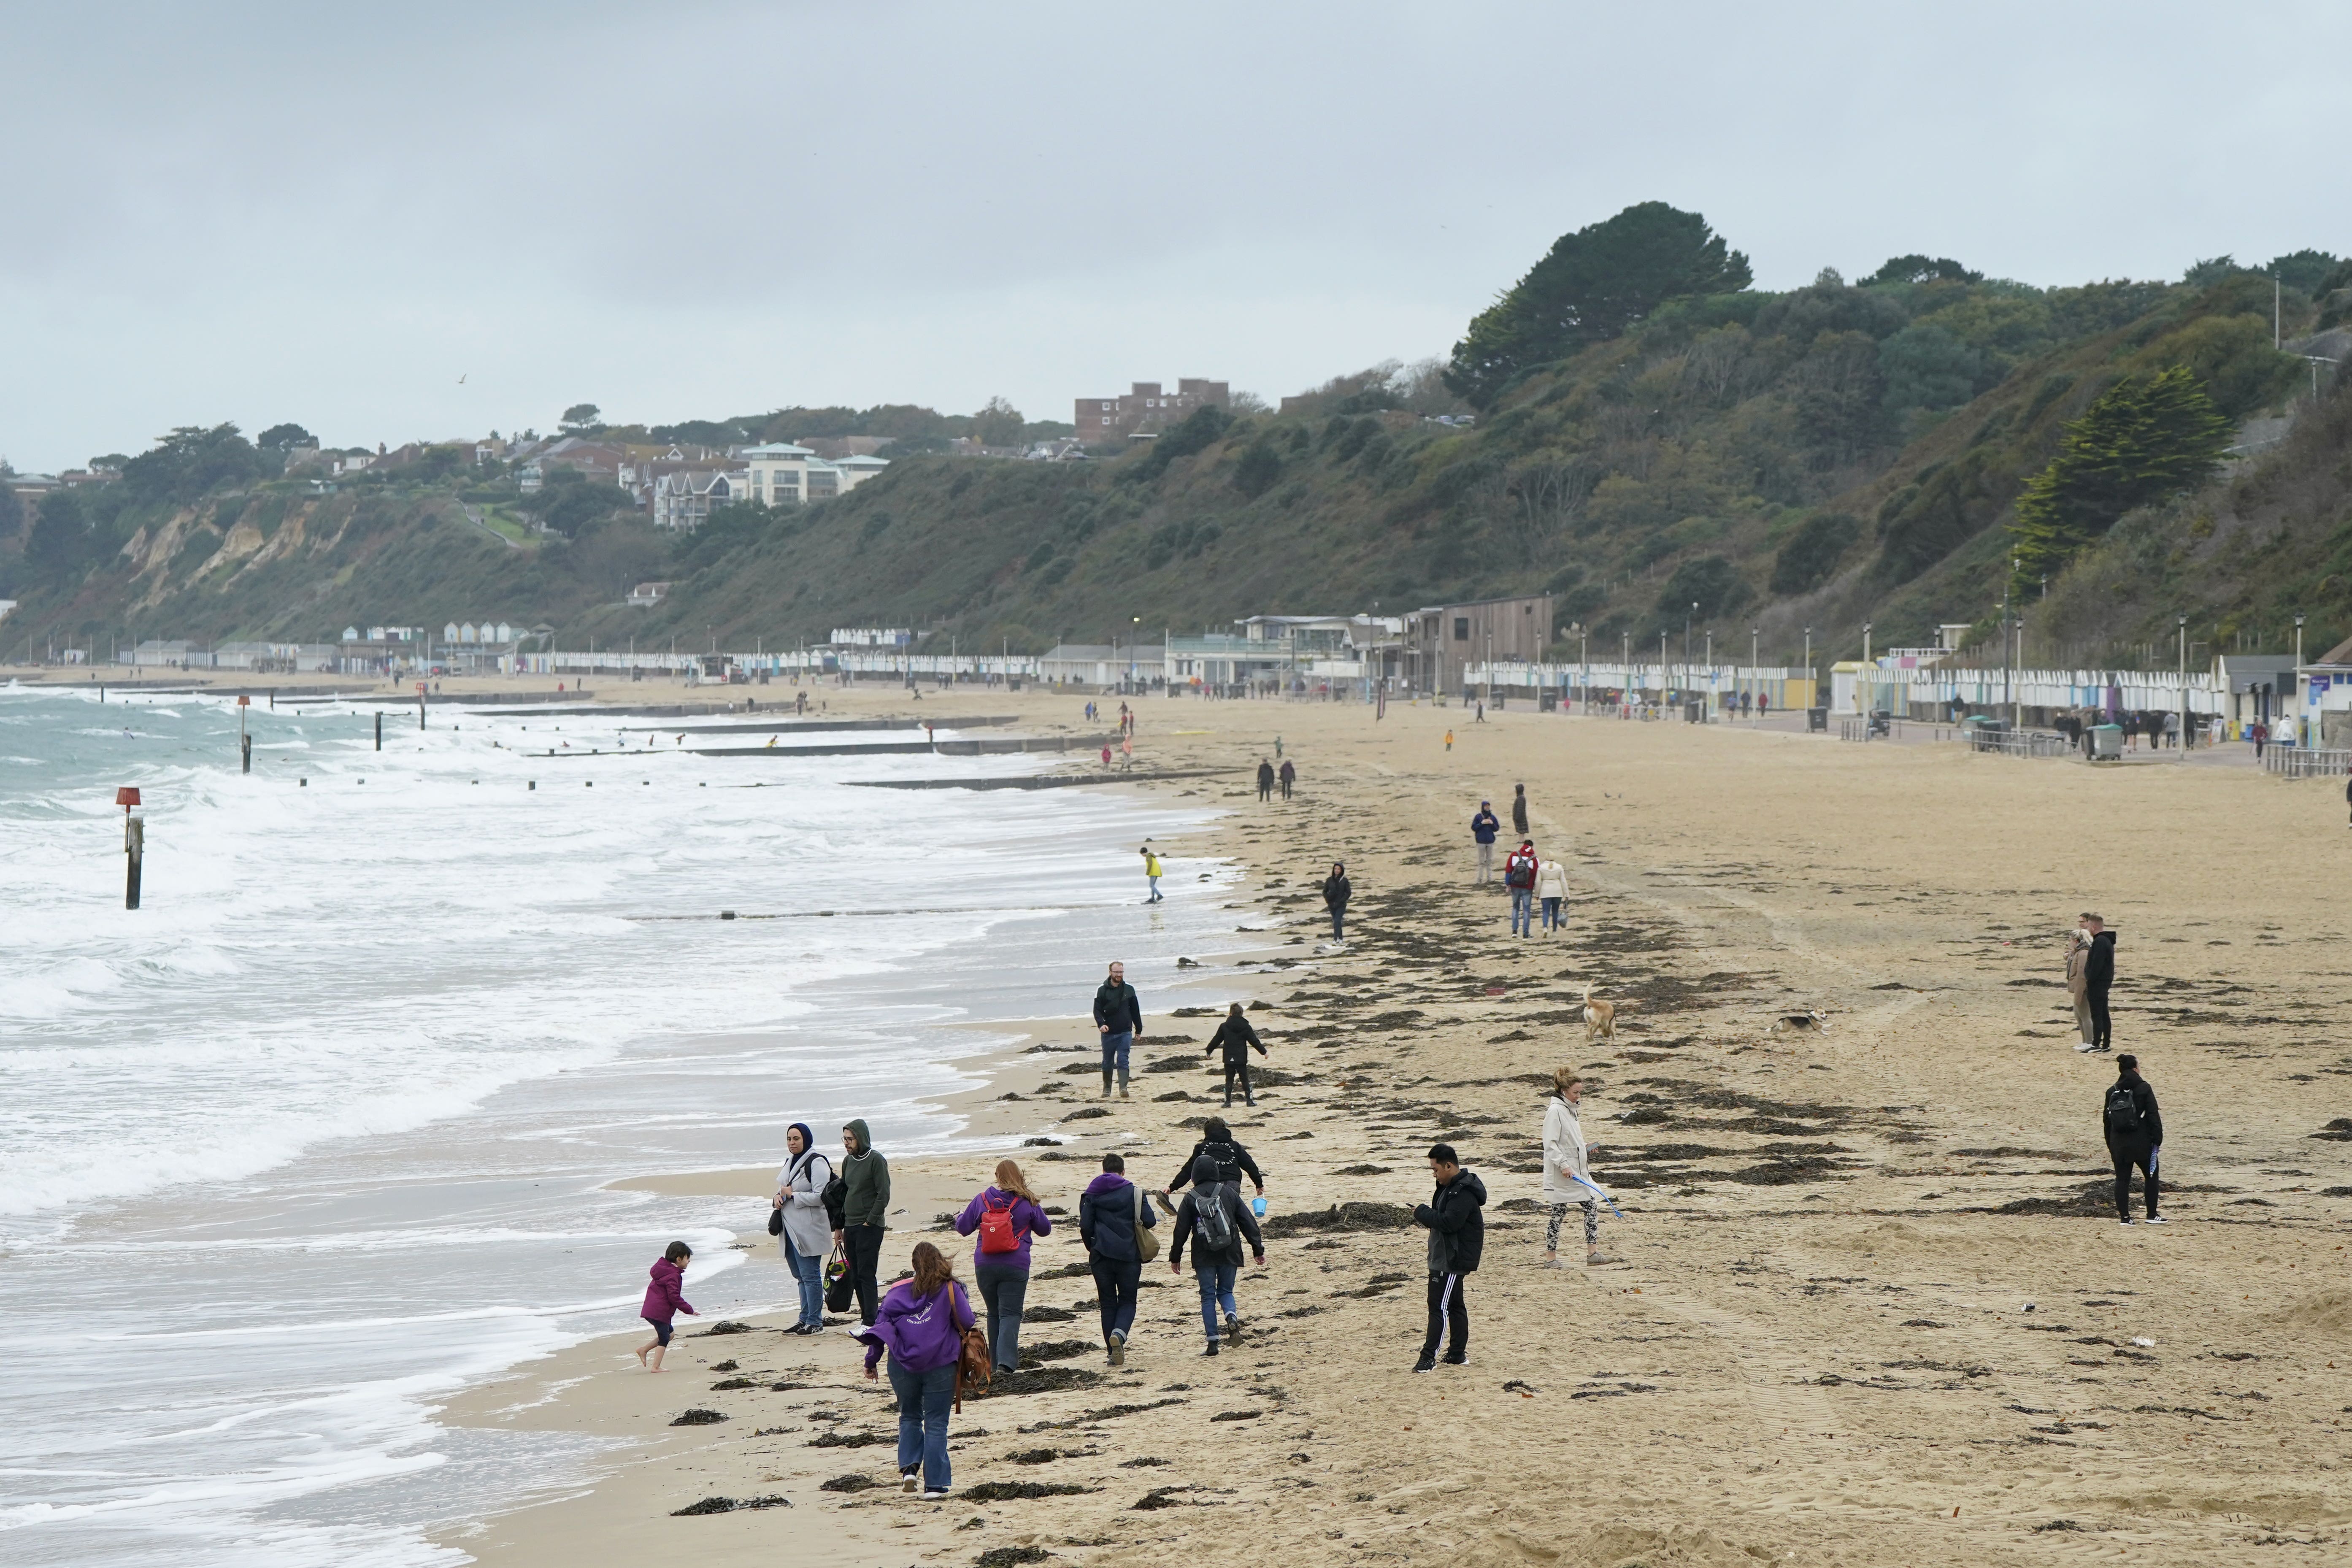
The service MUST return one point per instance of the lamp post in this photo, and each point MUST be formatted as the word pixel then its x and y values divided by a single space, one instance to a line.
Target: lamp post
pixel 1755 674
pixel 1584 665
pixel 2184 685
pixel 1662 687
pixel 1863 674
pixel 1812 686
pixel 2301 739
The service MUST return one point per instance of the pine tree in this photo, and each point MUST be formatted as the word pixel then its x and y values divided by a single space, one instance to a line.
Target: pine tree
pixel 2142 440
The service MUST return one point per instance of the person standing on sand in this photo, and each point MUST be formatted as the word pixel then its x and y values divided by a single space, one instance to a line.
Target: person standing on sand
pixel 1449 740
pixel 1150 873
pixel 1457 1235
pixel 922 1325
pixel 2078 961
pixel 1265 779
pixel 1519 876
pixel 1119 1017
pixel 1289 776
pixel 1519 810
pixel 1236 1038
pixel 2134 1134
pixel 1568 1175
pixel 2098 976
pixel 1337 892
pixel 1106 756
pixel 665 1300
pixel 1551 889
pixel 1214 1220
pixel 1482 829
pixel 865 1212
pixel 1006 1216
pixel 1111 1214
pixel 1232 1161
pixel 800 1205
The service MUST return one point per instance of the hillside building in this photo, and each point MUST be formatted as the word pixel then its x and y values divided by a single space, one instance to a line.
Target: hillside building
pixel 1442 640
pixel 1144 412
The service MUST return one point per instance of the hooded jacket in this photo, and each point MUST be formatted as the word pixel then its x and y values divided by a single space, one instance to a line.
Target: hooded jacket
pixel 1106 1212
pixel 1264 776
pixel 1457 1229
pixel 921 1332
pixel 1234 1162
pixel 1337 892
pixel 1235 1035
pixel 663 1300
pixel 2151 1121
pixel 867 1176
pixel 1563 1149
pixel 2099 968
pixel 1484 826
pixel 1118 1009
pixel 1226 1195
pixel 801 1181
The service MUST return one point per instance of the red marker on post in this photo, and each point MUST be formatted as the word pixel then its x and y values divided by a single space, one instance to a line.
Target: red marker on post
pixel 134 843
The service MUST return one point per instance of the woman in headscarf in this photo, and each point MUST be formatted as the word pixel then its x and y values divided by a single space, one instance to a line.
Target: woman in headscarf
pixel 807 1234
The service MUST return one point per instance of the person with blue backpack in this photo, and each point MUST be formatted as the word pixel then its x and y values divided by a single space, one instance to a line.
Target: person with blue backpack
pixel 1214 1220
pixel 1005 1215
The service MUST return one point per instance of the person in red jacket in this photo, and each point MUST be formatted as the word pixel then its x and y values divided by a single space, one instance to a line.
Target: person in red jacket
pixel 1519 876
pixel 665 1299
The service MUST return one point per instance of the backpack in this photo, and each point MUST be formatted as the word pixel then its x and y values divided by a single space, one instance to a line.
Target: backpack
pixel 835 1198
pixel 1213 1228
pixel 1519 870
pixel 2123 1115
pixel 996 1232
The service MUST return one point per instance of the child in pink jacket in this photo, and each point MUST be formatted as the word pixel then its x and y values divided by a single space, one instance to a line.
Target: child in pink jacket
pixel 664 1301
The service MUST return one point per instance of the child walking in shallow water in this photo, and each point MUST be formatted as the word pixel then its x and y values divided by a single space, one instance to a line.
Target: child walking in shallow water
pixel 664 1301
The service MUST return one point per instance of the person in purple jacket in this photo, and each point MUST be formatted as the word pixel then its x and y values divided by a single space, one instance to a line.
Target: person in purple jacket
pixel 665 1300
pixel 921 1322
pixel 999 1259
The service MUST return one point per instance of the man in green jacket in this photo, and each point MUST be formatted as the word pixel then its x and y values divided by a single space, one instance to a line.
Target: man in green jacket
pixel 865 1210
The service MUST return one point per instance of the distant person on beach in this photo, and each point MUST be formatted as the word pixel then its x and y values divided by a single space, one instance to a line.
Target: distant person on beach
pixel 1289 777
pixel 2347 803
pixel 1214 1220
pixel 2134 1134
pixel 921 1325
pixel 1551 892
pixel 1568 1175
pixel 1457 1235
pixel 1119 1017
pixel 1265 779
pixel 1151 873
pixel 1763 705
pixel 1112 1213
pixel 865 1212
pixel 1127 751
pixel 803 1237
pixel 2098 976
pixel 1277 745
pixel 1232 1161
pixel 1449 740
pixel 1483 827
pixel 1337 892
pixel 1106 756
pixel 1519 810
pixel 664 1301
pixel 1519 876
pixel 1006 1216
pixel 2259 734
pixel 1236 1038
pixel 2078 963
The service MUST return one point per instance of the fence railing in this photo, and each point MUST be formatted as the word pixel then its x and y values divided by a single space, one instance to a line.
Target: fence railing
pixel 2021 743
pixel 2306 761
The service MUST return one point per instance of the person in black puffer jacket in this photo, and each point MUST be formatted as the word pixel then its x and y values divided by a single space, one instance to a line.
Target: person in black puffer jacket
pixel 1236 1038
pixel 1337 892
pixel 1457 1236
pixel 2135 1132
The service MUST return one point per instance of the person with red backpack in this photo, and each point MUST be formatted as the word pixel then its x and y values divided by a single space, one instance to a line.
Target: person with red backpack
pixel 1519 876
pixel 1006 1216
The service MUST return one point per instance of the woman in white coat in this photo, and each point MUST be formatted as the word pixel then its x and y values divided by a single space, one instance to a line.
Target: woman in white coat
pixel 1552 887
pixel 807 1235
pixel 1567 1177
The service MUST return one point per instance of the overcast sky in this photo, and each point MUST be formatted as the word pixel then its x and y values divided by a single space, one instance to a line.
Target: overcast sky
pixel 429 220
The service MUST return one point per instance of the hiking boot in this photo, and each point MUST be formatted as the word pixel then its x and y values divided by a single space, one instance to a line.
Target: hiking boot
pixel 1118 1348
pixel 1427 1363
pixel 1233 1327
pixel 1212 1349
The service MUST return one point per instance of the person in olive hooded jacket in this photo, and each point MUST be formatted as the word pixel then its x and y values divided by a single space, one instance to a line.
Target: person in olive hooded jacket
pixel 864 1212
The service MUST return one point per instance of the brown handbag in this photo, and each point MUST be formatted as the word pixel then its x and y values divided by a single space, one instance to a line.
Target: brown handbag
pixel 972 1365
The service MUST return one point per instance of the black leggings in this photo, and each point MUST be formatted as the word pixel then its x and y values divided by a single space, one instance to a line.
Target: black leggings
pixel 864 1245
pixel 1240 1070
pixel 1448 1308
pixel 2124 1159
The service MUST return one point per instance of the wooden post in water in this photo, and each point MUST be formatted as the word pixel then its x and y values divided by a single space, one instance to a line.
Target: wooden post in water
pixel 134 843
pixel 244 740
pixel 420 705
pixel 379 729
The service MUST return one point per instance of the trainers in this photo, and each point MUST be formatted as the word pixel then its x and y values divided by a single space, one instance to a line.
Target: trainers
pixel 1118 1348
pixel 2157 1219
pixel 2086 1045
pixel 1212 1349
pixel 936 1495
pixel 911 1481
pixel 1427 1363
pixel 2127 1219
pixel 1457 1358
pixel 1233 1327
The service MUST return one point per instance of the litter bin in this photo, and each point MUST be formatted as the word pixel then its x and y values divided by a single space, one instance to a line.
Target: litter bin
pixel 1817 718
pixel 2106 743
pixel 1551 702
pixel 1693 712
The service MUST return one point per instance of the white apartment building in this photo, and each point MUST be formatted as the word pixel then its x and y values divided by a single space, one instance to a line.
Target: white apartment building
pixel 781 474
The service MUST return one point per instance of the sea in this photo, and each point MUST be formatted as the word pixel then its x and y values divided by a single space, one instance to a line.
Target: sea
pixel 326 1128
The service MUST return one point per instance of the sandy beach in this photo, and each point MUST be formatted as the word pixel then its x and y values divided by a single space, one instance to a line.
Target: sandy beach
pixel 1874 1306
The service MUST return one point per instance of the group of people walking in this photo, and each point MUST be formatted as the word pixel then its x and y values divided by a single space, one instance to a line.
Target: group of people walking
pixel 1537 886
pixel 1268 776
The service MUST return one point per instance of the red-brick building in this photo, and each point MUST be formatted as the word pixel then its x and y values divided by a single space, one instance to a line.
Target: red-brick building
pixel 1145 411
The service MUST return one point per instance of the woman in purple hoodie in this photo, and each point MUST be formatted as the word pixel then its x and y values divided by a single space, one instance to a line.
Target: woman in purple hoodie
pixel 921 1322
pixel 664 1301
pixel 999 1259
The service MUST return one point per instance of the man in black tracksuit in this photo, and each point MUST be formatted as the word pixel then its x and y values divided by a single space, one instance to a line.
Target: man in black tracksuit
pixel 2098 974
pixel 1457 1235
pixel 2135 1130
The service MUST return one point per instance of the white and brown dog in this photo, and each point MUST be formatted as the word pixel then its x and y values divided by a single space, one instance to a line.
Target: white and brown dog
pixel 1600 1018
pixel 1812 1020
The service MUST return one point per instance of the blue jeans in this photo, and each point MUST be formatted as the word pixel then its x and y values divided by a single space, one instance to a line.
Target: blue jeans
pixel 1338 922
pixel 923 1401
pixel 808 1273
pixel 1115 1049
pixel 1155 890
pixel 1551 914
pixel 1523 911
pixel 1216 1290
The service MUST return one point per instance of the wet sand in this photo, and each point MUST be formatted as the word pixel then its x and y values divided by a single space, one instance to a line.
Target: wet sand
pixel 1819 1348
